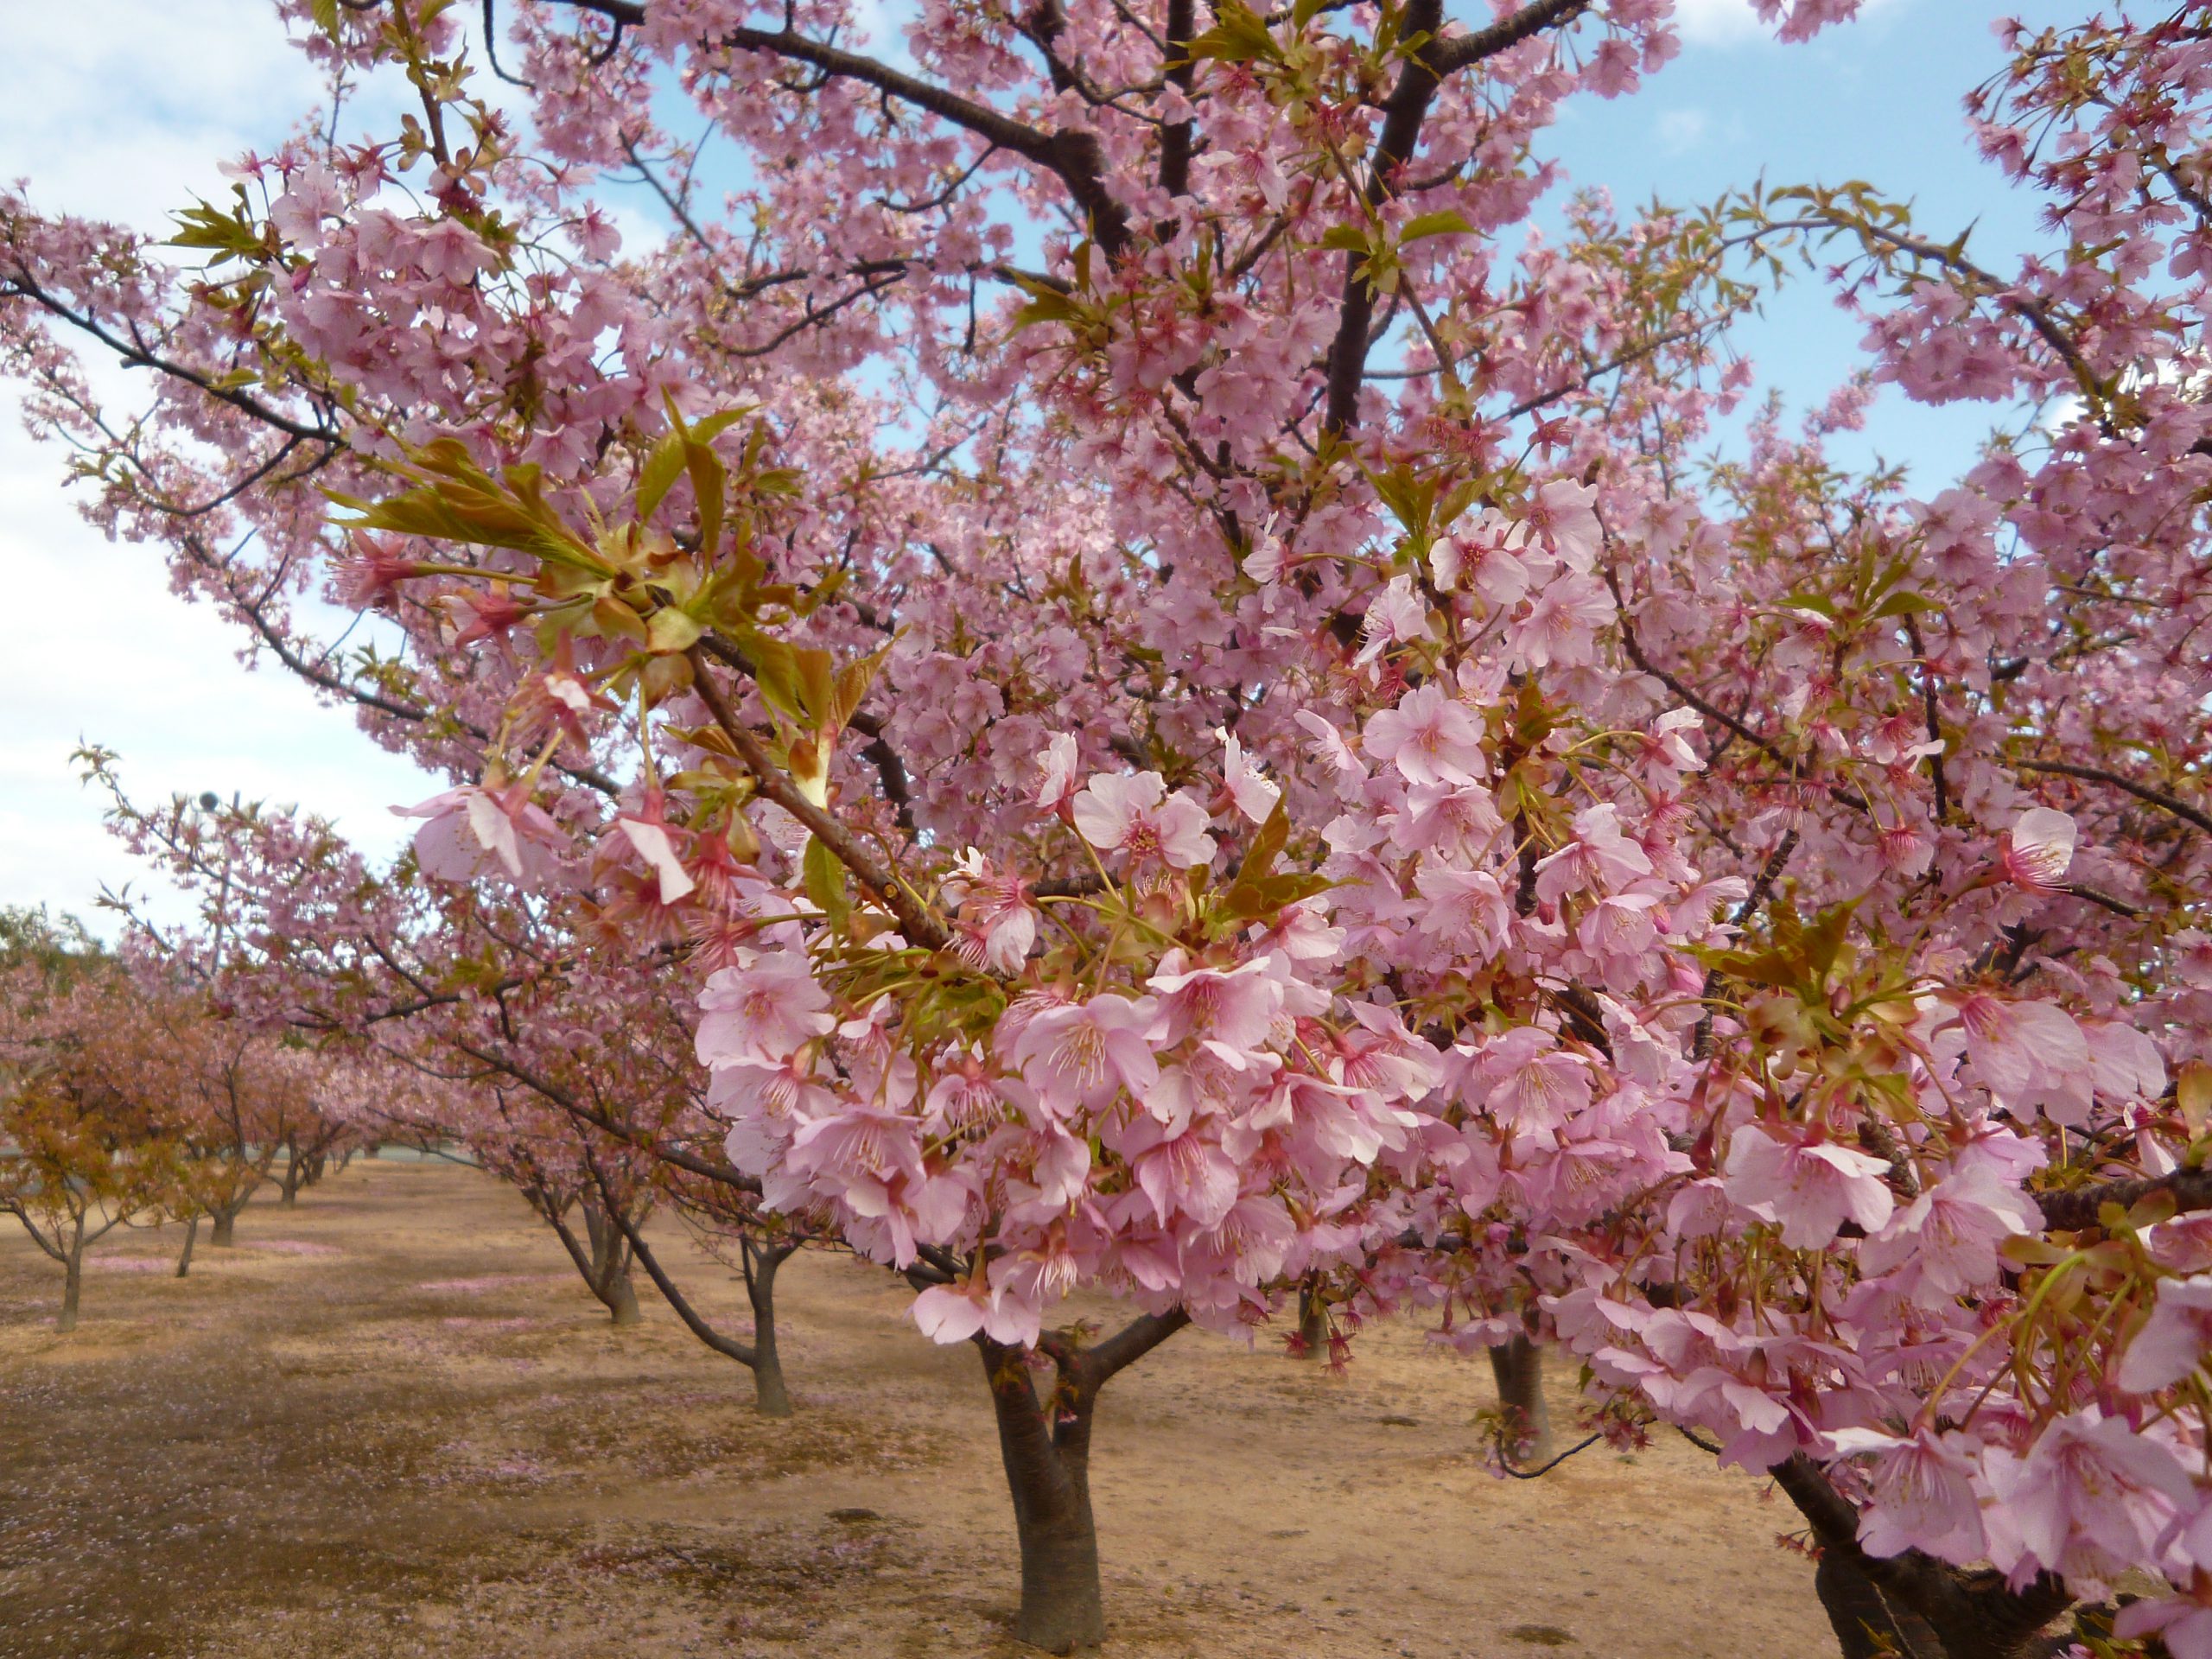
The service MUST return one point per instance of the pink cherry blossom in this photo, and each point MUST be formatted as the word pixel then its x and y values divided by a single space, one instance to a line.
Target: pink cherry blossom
pixel 2031 1055
pixel 2039 849
pixel 1949 1235
pixel 764 1012
pixel 1924 1495
pixel 1429 738
pixel 2174 1341
pixel 1079 1055
pixel 1599 856
pixel 1132 812
pixel 1810 1187
pixel 2091 1492
pixel 474 831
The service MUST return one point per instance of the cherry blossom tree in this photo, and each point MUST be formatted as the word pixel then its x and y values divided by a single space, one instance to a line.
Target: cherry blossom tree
pixel 507 1029
pixel 1197 728
pixel 77 1159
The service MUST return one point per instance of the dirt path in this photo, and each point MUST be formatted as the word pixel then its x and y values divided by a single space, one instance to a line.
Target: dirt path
pixel 391 1422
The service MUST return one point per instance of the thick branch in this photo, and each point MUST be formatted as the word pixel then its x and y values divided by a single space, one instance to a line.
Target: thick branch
pixel 1100 1362
pixel 2069 1212
pixel 743 1353
pixel 920 926
pixel 1418 81
pixel 2144 792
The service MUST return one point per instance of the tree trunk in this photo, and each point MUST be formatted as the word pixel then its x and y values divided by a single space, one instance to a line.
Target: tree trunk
pixel 1048 1473
pixel 290 1188
pixel 1865 1626
pixel 191 1237
pixel 770 1397
pixel 622 1298
pixel 1312 1325
pixel 315 1167
pixel 609 1277
pixel 73 1281
pixel 226 1224
pixel 1518 1367
pixel 1952 1612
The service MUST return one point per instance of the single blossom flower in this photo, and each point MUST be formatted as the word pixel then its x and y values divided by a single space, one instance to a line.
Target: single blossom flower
pixel 2030 1055
pixel 1132 813
pixel 1430 738
pixel 474 831
pixel 650 840
pixel 1250 789
pixel 1080 1054
pixel 1924 1495
pixel 2090 1493
pixel 1565 513
pixel 1234 1007
pixel 1056 770
pixel 1810 1187
pixel 1395 616
pixel 1950 1234
pixel 2039 850
pixel 1599 856
pixel 765 1011
pixel 2174 1341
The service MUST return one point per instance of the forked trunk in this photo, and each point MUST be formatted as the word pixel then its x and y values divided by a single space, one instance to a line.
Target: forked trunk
pixel 191 1237
pixel 770 1397
pixel 1048 1474
pixel 1518 1367
pixel 609 1274
pixel 620 1297
pixel 1933 1610
pixel 1866 1626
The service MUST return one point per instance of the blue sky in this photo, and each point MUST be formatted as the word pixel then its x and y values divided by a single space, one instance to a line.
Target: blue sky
pixel 1877 99
pixel 123 108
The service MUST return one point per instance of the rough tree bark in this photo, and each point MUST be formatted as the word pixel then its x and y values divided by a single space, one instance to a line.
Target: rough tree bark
pixel 222 1233
pixel 1518 1368
pixel 1951 1613
pixel 608 1270
pixel 1046 1447
pixel 1866 1626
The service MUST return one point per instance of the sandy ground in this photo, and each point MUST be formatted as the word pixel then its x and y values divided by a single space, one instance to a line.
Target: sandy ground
pixel 391 1422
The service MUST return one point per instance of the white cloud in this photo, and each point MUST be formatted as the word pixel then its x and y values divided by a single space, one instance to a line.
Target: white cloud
pixel 102 650
pixel 1717 22
pixel 123 109
pixel 1730 22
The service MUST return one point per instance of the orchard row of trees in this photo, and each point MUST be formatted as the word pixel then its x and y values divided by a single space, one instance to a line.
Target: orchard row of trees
pixel 1081 679
pixel 136 1091
pixel 125 1100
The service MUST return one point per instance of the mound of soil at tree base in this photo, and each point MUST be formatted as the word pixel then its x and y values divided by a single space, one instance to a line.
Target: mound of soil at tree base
pixel 430 1441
